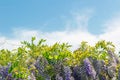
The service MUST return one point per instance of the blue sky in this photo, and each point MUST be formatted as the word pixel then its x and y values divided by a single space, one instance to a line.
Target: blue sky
pixel 59 21
pixel 50 15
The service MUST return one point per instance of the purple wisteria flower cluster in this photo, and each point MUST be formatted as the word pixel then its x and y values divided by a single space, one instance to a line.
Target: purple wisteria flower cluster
pixel 4 73
pixel 67 72
pixel 89 68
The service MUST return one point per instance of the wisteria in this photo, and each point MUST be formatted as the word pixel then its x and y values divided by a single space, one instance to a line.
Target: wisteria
pixel 40 61
pixel 89 68
pixel 58 77
pixel 4 73
pixel 67 72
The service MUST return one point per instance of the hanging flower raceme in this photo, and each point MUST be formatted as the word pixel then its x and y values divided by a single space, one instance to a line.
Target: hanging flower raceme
pixel 67 72
pixel 89 68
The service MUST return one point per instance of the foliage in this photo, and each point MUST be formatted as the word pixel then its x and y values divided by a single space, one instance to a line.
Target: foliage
pixel 42 61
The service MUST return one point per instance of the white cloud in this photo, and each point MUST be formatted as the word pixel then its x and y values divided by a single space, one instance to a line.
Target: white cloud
pixel 72 36
pixel 112 31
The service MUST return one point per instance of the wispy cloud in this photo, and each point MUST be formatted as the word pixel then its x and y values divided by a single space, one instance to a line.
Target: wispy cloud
pixel 78 20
